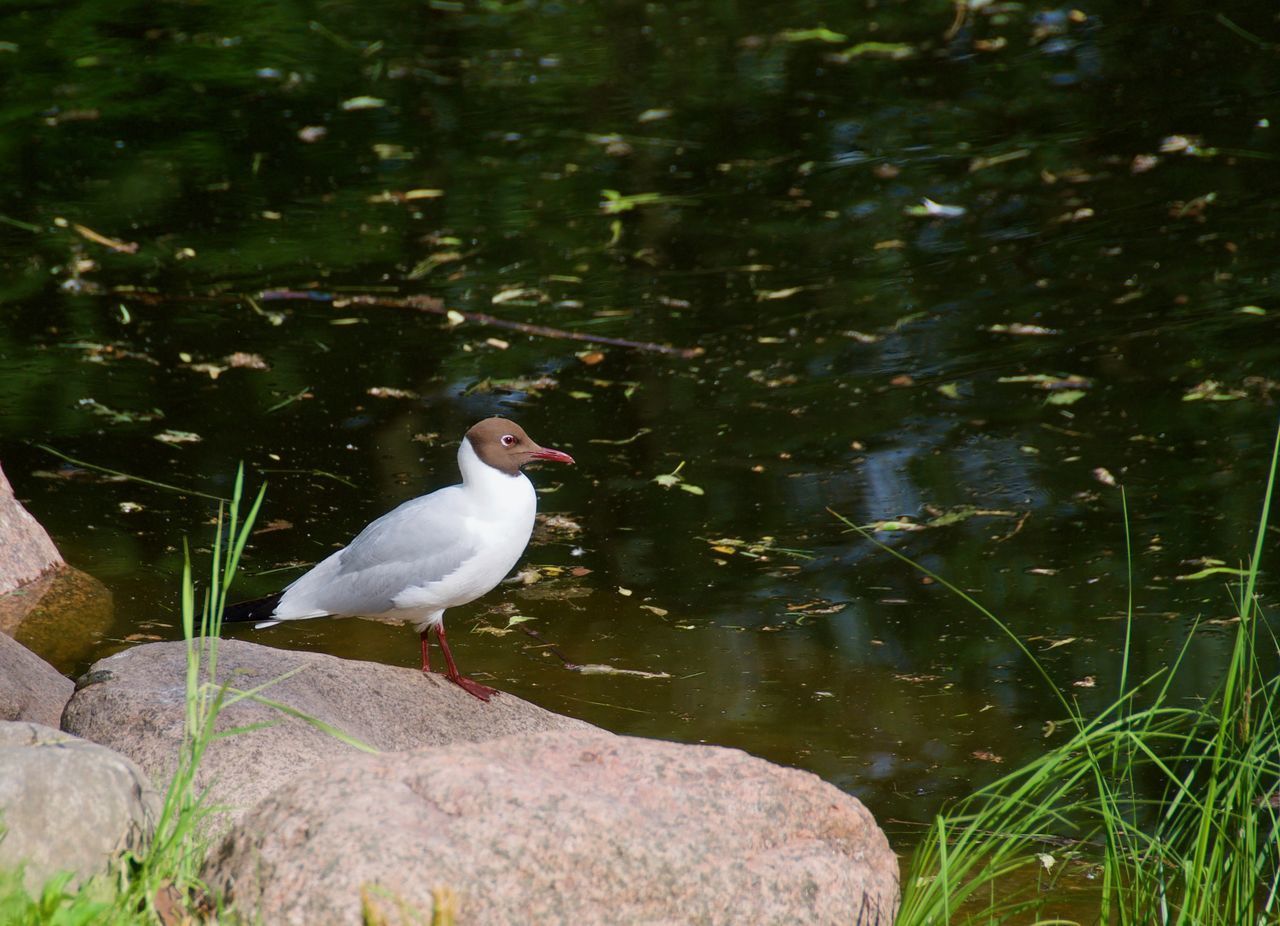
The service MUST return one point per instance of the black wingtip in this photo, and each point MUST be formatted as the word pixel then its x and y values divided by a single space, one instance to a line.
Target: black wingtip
pixel 259 609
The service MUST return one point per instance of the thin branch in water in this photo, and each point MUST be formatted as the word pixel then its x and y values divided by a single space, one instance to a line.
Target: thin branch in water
pixel 315 472
pixel 435 306
pixel 296 397
pixel 131 478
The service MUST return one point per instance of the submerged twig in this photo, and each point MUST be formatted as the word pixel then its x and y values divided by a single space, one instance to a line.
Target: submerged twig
pixel 131 478
pixel 555 650
pixel 437 307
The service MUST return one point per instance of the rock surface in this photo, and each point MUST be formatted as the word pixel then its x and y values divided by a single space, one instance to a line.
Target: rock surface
pixel 134 704
pixel 30 688
pixel 68 805
pixel 572 827
pixel 26 551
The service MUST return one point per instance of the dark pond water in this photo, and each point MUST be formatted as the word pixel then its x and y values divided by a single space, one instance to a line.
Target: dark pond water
pixel 1093 299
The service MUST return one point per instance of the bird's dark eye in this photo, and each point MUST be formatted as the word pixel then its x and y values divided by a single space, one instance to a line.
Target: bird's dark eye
pixel 508 440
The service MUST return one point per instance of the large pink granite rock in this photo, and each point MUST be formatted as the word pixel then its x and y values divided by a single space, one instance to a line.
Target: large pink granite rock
pixel 133 702
pixel 569 827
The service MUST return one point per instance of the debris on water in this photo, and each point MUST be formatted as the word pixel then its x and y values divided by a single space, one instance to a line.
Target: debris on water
pixel 761 549
pixel 171 436
pixel 356 103
pixel 391 392
pixel 1211 390
pixel 889 51
pixel 557 526
pixel 626 440
pixel 819 34
pixel 1050 381
pixel 1020 328
pixel 942 518
pixel 243 360
pixel 929 209
pixel 600 669
pixel 1212 567
pixel 117 416
pixel 673 478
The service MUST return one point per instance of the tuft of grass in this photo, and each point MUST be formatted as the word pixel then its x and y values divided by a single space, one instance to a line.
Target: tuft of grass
pixel 1174 809
pixel 160 884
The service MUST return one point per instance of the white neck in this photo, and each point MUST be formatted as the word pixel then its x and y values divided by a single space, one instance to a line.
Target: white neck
pixel 483 481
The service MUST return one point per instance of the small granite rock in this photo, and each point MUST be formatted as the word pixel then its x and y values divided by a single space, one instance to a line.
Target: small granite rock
pixel 68 805
pixel 30 688
pixel 133 702
pixel 568 827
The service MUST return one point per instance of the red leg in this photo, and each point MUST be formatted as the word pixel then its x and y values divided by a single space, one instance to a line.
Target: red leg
pixel 426 649
pixel 482 692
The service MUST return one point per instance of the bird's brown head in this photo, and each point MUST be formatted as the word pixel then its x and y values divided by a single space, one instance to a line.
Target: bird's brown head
pixel 504 446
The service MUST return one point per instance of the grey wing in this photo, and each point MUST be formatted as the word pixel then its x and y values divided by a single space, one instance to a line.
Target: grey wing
pixel 405 547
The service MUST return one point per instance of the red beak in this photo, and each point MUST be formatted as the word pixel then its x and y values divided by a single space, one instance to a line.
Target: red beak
pixel 555 456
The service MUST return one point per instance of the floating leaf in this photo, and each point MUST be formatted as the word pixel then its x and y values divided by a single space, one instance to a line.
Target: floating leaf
pixel 600 669
pixel 673 478
pixel 514 293
pixel 1211 390
pixel 390 392
pixel 1020 328
pixel 1065 397
pixel 170 436
pixel 764 295
pixel 615 203
pixel 363 102
pixel 893 51
pixel 1211 571
pixel 929 209
pixel 819 34
pixel 1050 381
pixel 116 416
pixel 242 360
pixel 214 370
pixel 1054 644
pixel 754 549
pixel 894 526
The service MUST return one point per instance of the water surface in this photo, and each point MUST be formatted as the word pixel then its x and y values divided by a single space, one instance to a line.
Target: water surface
pixel 1091 302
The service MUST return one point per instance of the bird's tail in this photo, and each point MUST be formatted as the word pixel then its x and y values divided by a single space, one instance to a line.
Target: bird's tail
pixel 259 609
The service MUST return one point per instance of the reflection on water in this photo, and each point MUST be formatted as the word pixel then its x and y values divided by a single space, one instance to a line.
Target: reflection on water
pixel 1093 294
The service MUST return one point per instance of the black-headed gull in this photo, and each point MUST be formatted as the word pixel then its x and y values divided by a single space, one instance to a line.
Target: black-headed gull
pixel 431 553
